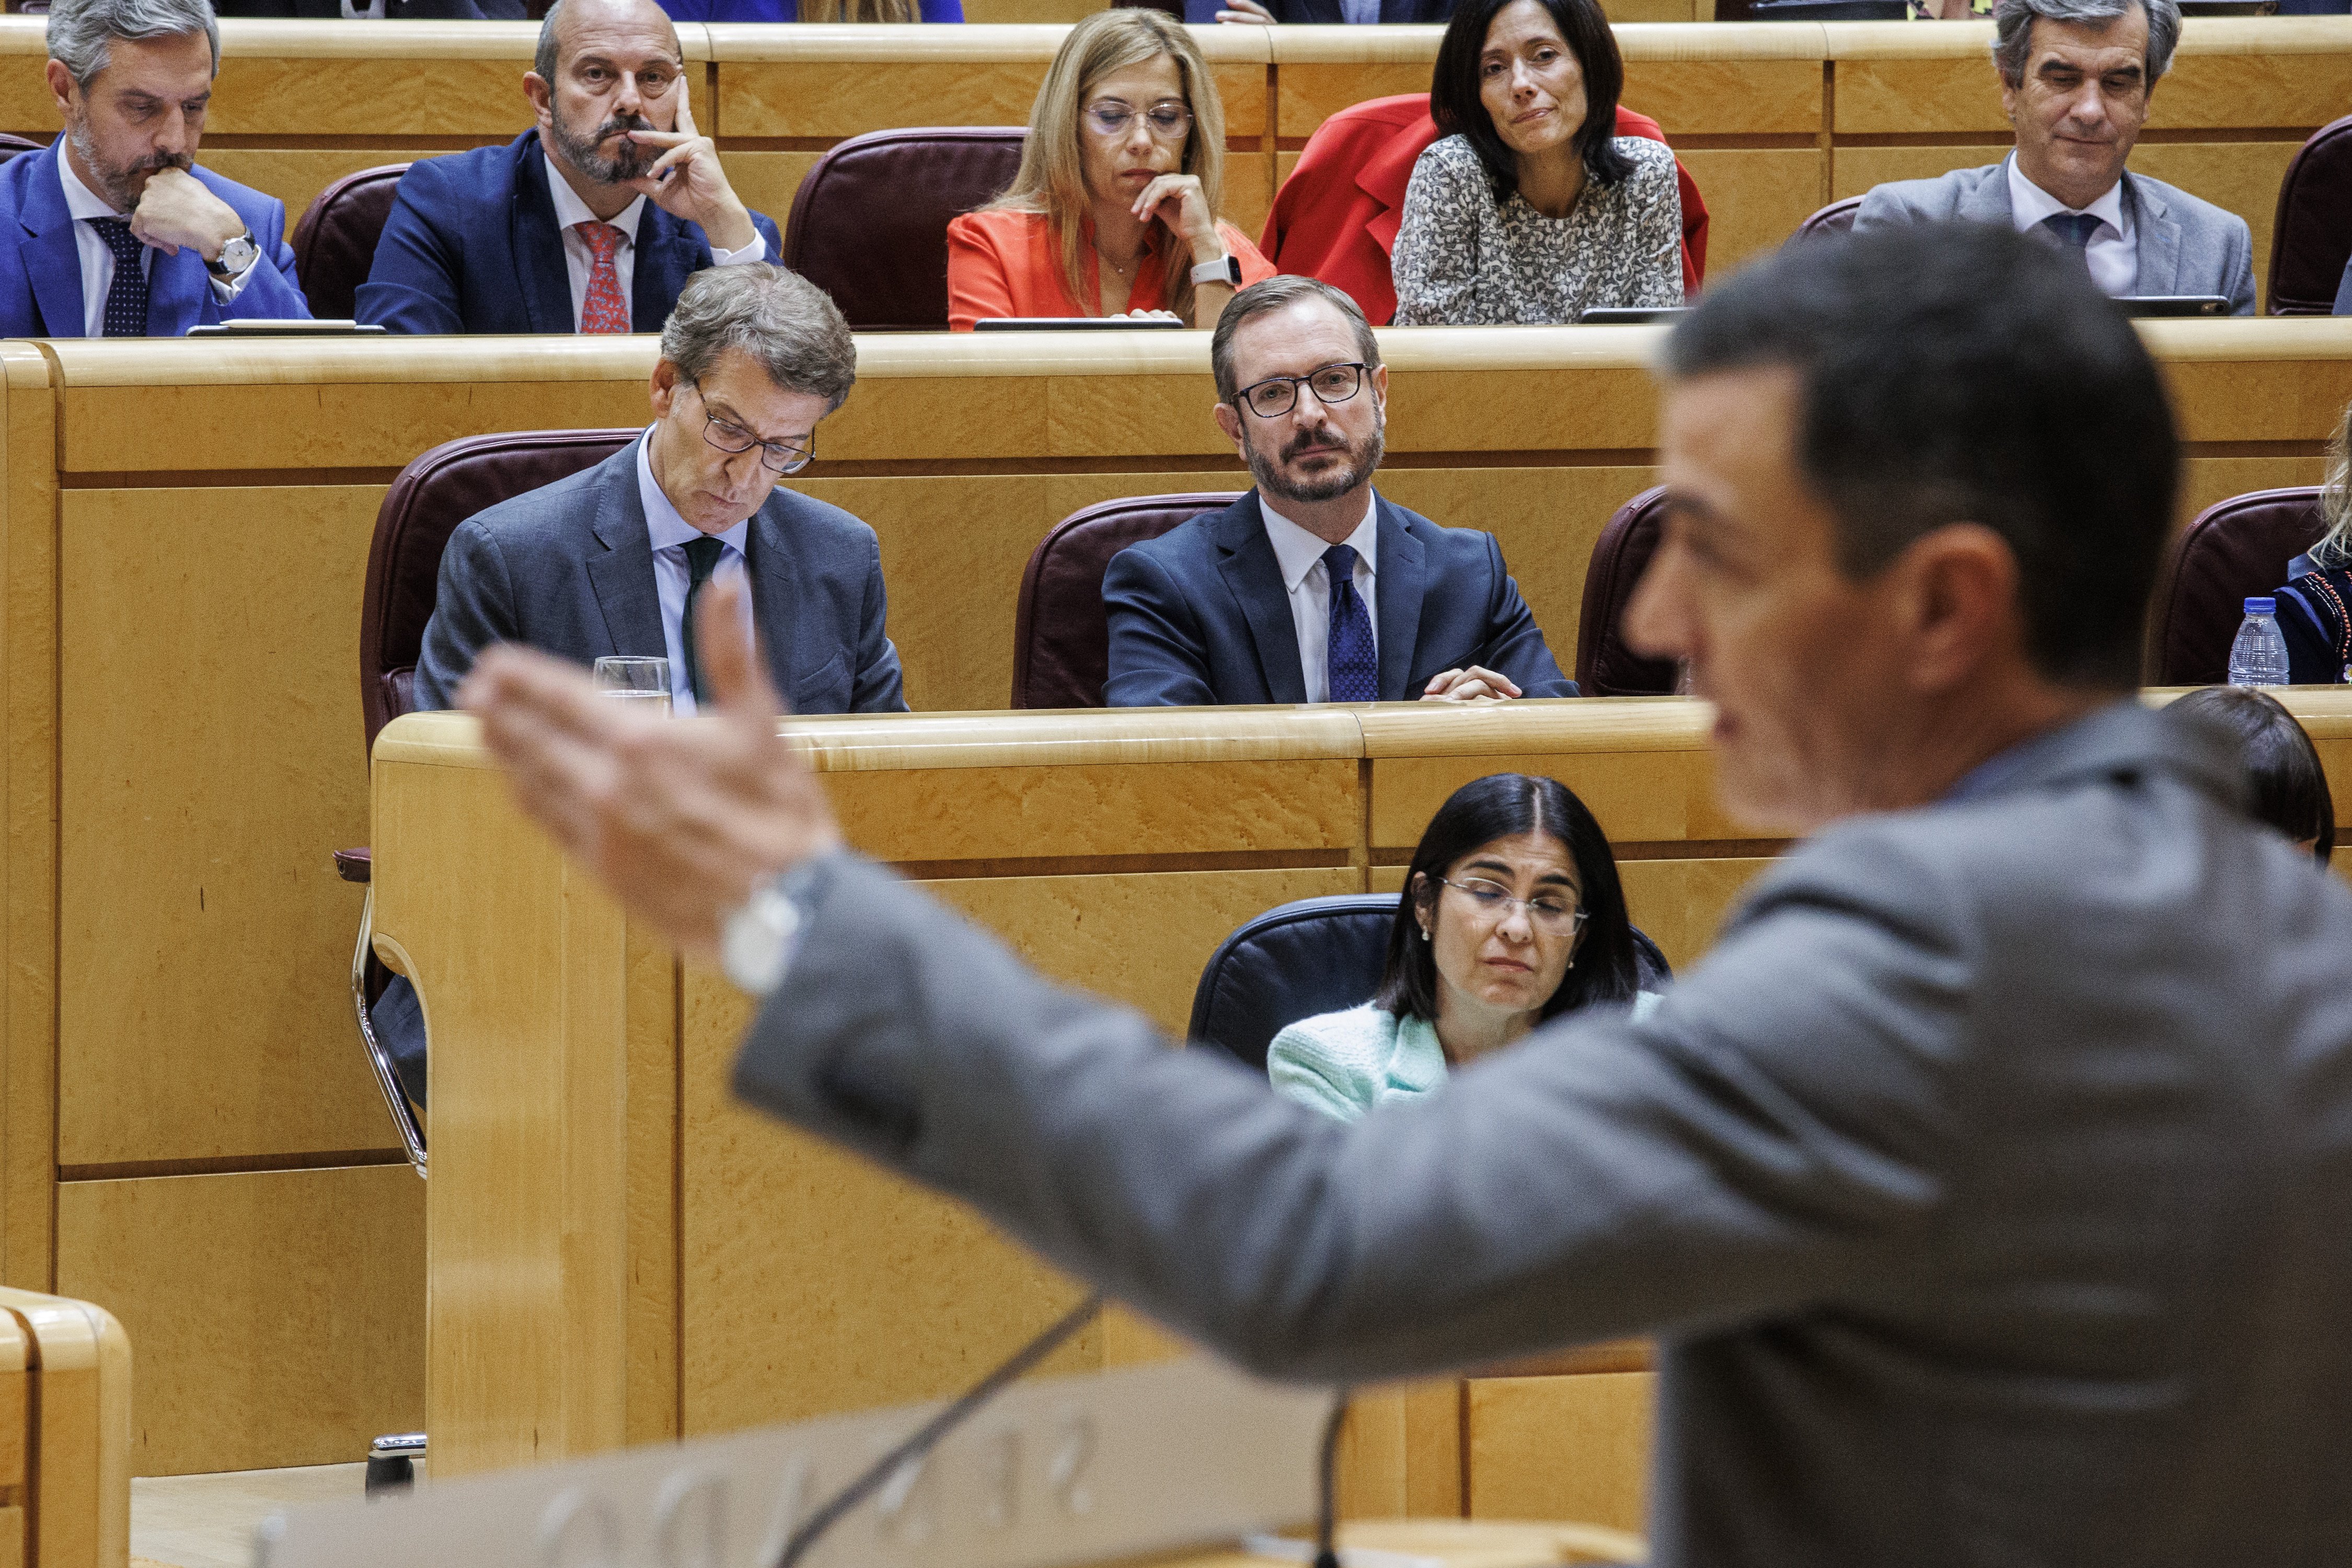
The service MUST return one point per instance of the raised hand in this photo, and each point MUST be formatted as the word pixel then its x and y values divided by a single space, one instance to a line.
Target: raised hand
pixel 1177 201
pixel 176 209
pixel 682 819
pixel 687 182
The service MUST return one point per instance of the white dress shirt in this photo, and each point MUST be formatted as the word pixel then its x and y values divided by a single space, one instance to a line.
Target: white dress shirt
pixel 670 534
pixel 580 262
pixel 1307 581
pixel 2113 250
pixel 98 261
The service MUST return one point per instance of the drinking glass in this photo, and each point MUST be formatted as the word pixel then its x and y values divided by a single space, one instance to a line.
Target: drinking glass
pixel 632 679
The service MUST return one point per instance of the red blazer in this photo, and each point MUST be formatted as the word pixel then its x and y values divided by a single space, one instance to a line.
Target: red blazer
pixel 1336 217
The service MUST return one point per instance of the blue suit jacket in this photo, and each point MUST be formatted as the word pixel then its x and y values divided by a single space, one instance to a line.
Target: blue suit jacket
pixel 1198 617
pixel 40 268
pixel 569 569
pixel 472 246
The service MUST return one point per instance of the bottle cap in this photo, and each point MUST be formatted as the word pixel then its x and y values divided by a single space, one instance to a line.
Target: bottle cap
pixel 2261 606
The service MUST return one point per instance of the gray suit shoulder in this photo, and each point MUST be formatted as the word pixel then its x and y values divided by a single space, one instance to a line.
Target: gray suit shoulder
pixel 2193 214
pixel 1958 193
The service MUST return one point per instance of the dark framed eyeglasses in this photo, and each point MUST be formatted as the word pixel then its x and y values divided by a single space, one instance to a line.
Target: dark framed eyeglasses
pixel 1167 121
pixel 1278 394
pixel 776 457
pixel 1494 900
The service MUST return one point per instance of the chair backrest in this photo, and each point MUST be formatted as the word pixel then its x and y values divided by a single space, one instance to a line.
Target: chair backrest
pixel 2312 236
pixel 432 496
pixel 11 145
pixel 869 223
pixel 1316 955
pixel 335 245
pixel 1061 638
pixel 1605 667
pixel 1835 219
pixel 2234 550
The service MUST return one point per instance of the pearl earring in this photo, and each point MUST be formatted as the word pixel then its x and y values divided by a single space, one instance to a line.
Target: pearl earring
pixel 1424 933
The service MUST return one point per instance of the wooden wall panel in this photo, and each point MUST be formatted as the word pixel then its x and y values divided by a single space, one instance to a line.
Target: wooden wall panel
pixel 205 847
pixel 279 1317
pixel 1681 903
pixel 1755 198
pixel 296 175
pixel 1571 1447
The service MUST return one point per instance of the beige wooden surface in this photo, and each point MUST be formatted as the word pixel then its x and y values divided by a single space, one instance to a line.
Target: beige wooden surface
pixel 65 1434
pixel 1772 120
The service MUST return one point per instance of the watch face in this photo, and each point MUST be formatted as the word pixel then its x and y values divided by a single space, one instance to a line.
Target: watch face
pixel 238 254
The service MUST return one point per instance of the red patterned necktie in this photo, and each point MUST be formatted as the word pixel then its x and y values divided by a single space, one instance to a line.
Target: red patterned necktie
pixel 604 309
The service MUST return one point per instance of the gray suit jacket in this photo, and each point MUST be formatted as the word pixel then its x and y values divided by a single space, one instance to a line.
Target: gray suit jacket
pixel 2185 246
pixel 569 569
pixel 1990 1183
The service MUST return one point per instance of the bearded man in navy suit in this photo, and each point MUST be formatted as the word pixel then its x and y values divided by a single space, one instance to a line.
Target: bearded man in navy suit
pixel 590 222
pixel 116 232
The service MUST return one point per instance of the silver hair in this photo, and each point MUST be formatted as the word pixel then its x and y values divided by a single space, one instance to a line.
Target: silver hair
pixel 781 319
pixel 2013 22
pixel 81 30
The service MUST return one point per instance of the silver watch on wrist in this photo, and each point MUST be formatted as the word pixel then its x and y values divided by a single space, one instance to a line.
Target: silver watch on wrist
pixel 758 937
pixel 235 256
pixel 1226 269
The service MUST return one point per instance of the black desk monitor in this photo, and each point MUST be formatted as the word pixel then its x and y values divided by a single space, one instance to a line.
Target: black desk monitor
pixel 1627 315
pixel 276 327
pixel 2138 305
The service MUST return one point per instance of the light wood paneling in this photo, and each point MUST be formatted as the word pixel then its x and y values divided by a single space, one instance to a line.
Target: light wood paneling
pixel 278 1316
pixel 1561 1448
pixel 1755 199
pixel 997 13
pixel 296 175
pixel 1681 904
pixel 1858 169
pixel 180 602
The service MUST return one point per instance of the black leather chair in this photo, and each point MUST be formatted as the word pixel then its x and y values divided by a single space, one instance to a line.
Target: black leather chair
pixel 1605 666
pixel 2234 550
pixel 432 496
pixel 334 243
pixel 869 223
pixel 2312 236
pixel 1833 219
pixel 1316 955
pixel 1061 636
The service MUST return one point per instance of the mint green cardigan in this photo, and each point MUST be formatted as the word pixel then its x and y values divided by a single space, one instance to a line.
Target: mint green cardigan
pixel 1344 1063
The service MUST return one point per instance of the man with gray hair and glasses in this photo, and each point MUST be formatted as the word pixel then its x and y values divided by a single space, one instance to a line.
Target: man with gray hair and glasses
pixel 119 234
pixel 591 221
pixel 2075 77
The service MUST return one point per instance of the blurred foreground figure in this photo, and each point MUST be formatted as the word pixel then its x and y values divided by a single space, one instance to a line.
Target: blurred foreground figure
pixel 1988 1185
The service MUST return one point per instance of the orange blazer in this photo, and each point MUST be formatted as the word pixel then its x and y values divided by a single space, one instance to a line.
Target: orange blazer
pixel 1338 214
pixel 1004 263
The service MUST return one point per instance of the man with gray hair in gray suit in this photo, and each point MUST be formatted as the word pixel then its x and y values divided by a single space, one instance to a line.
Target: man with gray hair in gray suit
pixel 1987 1184
pixel 612 561
pixel 2075 79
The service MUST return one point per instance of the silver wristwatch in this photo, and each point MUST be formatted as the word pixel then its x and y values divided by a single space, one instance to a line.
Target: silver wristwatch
pixel 758 937
pixel 1226 269
pixel 235 256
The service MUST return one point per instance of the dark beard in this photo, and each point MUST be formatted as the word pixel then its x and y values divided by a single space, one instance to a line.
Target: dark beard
pixel 1363 460
pixel 120 188
pixel 628 164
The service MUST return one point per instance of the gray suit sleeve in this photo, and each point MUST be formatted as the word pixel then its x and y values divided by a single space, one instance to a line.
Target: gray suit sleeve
pixel 1776 1130
pixel 473 606
pixel 2241 279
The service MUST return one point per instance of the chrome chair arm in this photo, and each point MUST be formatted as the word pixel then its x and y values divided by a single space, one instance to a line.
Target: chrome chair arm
pixel 403 1115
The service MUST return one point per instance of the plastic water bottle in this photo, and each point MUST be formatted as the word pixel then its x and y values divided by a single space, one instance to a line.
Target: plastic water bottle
pixel 2259 655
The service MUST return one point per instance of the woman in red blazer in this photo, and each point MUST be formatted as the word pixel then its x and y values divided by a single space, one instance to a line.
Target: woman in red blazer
pixel 1336 218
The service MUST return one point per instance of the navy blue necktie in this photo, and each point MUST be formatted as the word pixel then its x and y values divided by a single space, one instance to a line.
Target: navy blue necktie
pixel 2075 229
pixel 126 297
pixel 1348 655
pixel 701 560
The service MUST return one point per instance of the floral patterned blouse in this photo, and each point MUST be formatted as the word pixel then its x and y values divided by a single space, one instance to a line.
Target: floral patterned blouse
pixel 1462 259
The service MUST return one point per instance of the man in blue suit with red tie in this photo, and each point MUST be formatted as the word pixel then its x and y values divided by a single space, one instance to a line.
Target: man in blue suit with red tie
pixel 112 230
pixel 590 222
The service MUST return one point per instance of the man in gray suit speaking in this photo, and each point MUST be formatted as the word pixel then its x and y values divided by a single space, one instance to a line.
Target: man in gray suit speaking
pixel 2075 77
pixel 610 560
pixel 1988 1184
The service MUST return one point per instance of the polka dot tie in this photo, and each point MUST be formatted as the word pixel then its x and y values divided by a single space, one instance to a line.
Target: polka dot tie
pixel 126 297
pixel 604 309
pixel 1349 655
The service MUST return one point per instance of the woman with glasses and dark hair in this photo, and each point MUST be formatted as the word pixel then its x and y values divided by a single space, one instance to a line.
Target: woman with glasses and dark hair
pixel 1512 914
pixel 1530 208
pixel 1114 210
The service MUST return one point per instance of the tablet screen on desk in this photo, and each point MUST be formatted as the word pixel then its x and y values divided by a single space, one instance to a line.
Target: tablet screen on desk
pixel 2174 305
pixel 275 327
pixel 1074 324
pixel 1627 315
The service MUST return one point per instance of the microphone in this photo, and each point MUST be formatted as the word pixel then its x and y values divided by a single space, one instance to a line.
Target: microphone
pixel 927 1436
pixel 1326 1511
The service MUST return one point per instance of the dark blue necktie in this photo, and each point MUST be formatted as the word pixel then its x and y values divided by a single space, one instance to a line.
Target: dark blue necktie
pixel 701 560
pixel 2075 229
pixel 126 297
pixel 1348 655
